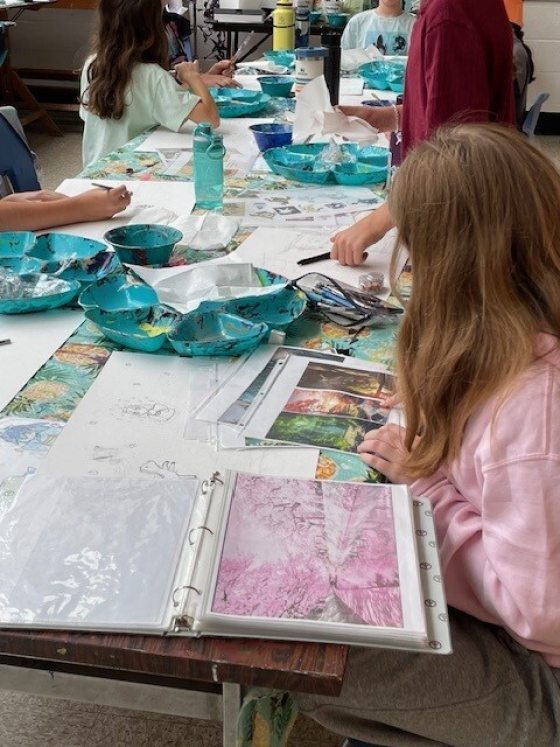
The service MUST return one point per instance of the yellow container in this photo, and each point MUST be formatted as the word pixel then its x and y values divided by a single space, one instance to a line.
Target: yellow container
pixel 283 25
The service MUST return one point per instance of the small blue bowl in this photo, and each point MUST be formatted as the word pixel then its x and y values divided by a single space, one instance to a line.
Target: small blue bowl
pixel 277 311
pixel 66 292
pixel 22 265
pixel 215 333
pixel 16 243
pixel 116 293
pixel 144 243
pixel 315 17
pixel 272 135
pixel 337 20
pixel 58 248
pixel 148 334
pixel 279 86
pixel 285 57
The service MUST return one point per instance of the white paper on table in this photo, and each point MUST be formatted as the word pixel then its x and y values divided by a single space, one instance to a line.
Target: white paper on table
pixel 206 281
pixel 351 59
pixel 315 116
pixel 176 198
pixel 265 66
pixel 351 86
pixel 136 421
pixel 279 249
pixel 235 132
pixel 207 232
pixel 35 337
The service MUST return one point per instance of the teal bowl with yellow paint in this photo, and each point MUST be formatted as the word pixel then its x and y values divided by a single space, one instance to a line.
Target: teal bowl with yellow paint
pixel 201 333
pixel 144 243
pixel 147 335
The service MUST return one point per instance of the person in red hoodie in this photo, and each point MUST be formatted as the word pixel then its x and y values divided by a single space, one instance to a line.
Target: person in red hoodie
pixel 460 69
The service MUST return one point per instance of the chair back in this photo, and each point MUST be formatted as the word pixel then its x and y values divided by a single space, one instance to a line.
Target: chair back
pixel 16 159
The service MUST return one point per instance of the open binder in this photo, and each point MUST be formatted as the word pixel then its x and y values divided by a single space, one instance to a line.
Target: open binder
pixel 236 555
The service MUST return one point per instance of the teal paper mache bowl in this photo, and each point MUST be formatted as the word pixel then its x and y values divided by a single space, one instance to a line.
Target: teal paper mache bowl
pixel 15 243
pixel 147 335
pixel 37 292
pixel 144 243
pixel 116 293
pixel 203 333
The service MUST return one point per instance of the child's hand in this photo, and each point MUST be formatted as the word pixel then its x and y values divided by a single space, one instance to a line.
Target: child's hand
pixel 187 71
pixel 225 68
pixel 219 81
pixel 380 117
pixel 100 204
pixel 384 450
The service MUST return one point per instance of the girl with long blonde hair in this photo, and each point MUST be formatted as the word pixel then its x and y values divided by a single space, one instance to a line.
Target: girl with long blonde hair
pixel 478 363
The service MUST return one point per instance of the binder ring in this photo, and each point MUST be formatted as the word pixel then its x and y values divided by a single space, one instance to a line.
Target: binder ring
pixel 197 529
pixel 181 588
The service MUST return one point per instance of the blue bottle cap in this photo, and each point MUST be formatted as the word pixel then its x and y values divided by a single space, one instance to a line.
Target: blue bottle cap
pixel 310 52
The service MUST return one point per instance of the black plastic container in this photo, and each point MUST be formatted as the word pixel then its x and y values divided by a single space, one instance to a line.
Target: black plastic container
pixel 330 38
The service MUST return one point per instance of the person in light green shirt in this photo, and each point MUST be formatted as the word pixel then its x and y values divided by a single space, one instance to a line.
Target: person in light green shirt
pixel 386 27
pixel 126 87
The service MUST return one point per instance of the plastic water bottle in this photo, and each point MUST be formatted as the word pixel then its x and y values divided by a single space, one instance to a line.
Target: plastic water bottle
pixel 208 155
pixel 283 25
pixel 302 23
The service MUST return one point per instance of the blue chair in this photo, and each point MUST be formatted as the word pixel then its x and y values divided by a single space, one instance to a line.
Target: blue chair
pixel 16 159
pixel 532 117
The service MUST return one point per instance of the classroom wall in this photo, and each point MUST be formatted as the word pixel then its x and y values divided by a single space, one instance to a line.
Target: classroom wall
pixel 542 34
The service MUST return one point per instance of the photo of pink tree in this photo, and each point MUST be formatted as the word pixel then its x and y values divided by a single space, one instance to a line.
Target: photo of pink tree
pixel 308 550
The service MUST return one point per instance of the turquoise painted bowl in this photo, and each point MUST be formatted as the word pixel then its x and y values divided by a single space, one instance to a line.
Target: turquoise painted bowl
pixel 285 57
pixel 65 292
pixel 238 102
pixel 56 249
pixel 215 333
pixel 87 271
pixel 357 174
pixel 22 265
pixel 337 20
pixel 279 86
pixel 277 311
pixel 144 243
pixel 315 17
pixel 374 155
pixel 299 163
pixel 147 335
pixel 16 243
pixel 384 75
pixel 116 293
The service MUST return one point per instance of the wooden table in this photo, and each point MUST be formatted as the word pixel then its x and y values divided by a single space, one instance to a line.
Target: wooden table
pixel 201 678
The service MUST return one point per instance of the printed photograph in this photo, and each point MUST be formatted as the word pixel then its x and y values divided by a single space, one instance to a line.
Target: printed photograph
pixel 324 431
pixel 305 550
pixel 329 402
pixel 362 383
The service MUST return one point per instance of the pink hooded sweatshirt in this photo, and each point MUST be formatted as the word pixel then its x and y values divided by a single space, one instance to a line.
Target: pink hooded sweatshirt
pixel 497 510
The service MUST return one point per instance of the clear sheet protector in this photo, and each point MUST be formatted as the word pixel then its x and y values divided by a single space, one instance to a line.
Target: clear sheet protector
pixel 92 553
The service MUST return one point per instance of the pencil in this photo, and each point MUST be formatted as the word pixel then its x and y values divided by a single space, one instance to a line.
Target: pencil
pixel 103 186
pixel 7 341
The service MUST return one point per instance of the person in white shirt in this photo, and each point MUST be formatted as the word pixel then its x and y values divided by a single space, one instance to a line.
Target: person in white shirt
pixel 387 27
pixel 126 87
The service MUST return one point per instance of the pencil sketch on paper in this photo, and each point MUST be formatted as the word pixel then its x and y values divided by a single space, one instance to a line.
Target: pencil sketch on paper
pixel 146 410
pixel 306 550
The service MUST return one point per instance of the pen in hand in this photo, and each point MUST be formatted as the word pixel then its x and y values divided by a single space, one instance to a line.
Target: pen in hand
pixel 316 258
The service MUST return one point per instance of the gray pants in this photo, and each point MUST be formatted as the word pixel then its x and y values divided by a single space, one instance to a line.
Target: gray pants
pixel 491 692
